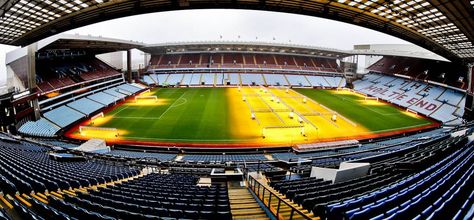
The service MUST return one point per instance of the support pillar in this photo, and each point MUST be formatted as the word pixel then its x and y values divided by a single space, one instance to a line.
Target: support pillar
pixel 469 105
pixel 129 66
pixel 470 71
pixel 31 73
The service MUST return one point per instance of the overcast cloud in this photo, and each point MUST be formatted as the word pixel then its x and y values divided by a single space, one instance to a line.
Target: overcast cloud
pixel 206 25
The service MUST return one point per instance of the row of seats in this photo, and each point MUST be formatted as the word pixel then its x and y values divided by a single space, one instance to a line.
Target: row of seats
pixel 392 144
pixel 430 194
pixel 26 167
pixel 224 157
pixel 317 195
pixel 39 128
pixel 154 196
pixel 144 155
pixel 246 79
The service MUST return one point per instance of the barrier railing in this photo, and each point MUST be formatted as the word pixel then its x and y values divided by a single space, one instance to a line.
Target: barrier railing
pixel 273 202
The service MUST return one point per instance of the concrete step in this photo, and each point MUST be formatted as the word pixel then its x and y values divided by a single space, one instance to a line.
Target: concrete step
pixel 244 206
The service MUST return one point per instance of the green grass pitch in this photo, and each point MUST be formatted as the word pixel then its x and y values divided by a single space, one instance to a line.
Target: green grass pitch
pixel 188 114
pixel 203 115
pixel 376 118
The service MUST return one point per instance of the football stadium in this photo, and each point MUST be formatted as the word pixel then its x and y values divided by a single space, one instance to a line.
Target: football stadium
pixel 237 129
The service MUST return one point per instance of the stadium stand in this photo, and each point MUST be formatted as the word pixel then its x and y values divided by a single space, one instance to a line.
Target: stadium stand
pixel 67 114
pixel 421 69
pixel 85 106
pixel 344 199
pixel 103 98
pixel 136 154
pixel 40 128
pixel 151 197
pixel 440 103
pixel 298 80
pixel 57 143
pixel 56 74
pixel 63 116
pixel 236 60
pixel 224 158
pixel 274 79
pixel 27 167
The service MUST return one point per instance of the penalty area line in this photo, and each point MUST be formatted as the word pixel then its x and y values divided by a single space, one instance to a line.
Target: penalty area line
pixel 171 106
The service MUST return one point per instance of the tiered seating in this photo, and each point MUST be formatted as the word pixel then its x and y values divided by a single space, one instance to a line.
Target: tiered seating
pixel 57 143
pixel 186 79
pixel 55 74
pixel 440 103
pixel 136 154
pixel 298 80
pixel 250 79
pixel 129 87
pixel 25 167
pixel 318 81
pixel 63 116
pixel 40 128
pixel 317 195
pixel 238 60
pixel 103 98
pixel 148 80
pixel 224 158
pixel 208 78
pixel 196 79
pixel 153 196
pixel 273 79
pixel 432 193
pixel 85 106
pixel 422 69
pixel 234 79
pixel 174 79
pixel 114 92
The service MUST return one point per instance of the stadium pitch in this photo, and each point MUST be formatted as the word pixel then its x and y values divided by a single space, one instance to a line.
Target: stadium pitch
pixel 247 116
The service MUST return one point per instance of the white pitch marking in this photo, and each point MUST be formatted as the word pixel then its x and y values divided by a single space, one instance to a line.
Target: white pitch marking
pixel 171 106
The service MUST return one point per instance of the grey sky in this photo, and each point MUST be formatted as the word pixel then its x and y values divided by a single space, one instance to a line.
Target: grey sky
pixel 201 25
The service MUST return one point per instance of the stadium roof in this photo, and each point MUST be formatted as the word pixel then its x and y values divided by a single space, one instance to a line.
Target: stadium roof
pixel 94 44
pixel 243 46
pixel 444 26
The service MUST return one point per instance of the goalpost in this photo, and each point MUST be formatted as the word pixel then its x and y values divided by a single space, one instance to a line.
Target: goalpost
pixel 100 115
pixel 371 98
pixel 83 129
pixel 149 97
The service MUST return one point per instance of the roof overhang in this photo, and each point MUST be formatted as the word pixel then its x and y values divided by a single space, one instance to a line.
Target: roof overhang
pixel 396 50
pixel 89 44
pixel 244 47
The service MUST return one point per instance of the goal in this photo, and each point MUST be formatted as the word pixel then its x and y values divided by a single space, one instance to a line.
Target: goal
pixel 150 97
pixel 100 115
pixel 371 98
pixel 83 129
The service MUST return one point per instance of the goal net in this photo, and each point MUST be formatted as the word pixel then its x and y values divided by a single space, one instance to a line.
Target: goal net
pixel 371 98
pixel 86 129
pixel 150 97
pixel 93 118
pixel 100 115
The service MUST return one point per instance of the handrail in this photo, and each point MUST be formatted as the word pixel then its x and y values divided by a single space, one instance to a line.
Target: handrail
pixel 260 190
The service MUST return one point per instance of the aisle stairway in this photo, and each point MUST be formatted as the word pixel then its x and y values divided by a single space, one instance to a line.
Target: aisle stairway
pixel 285 211
pixel 243 205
